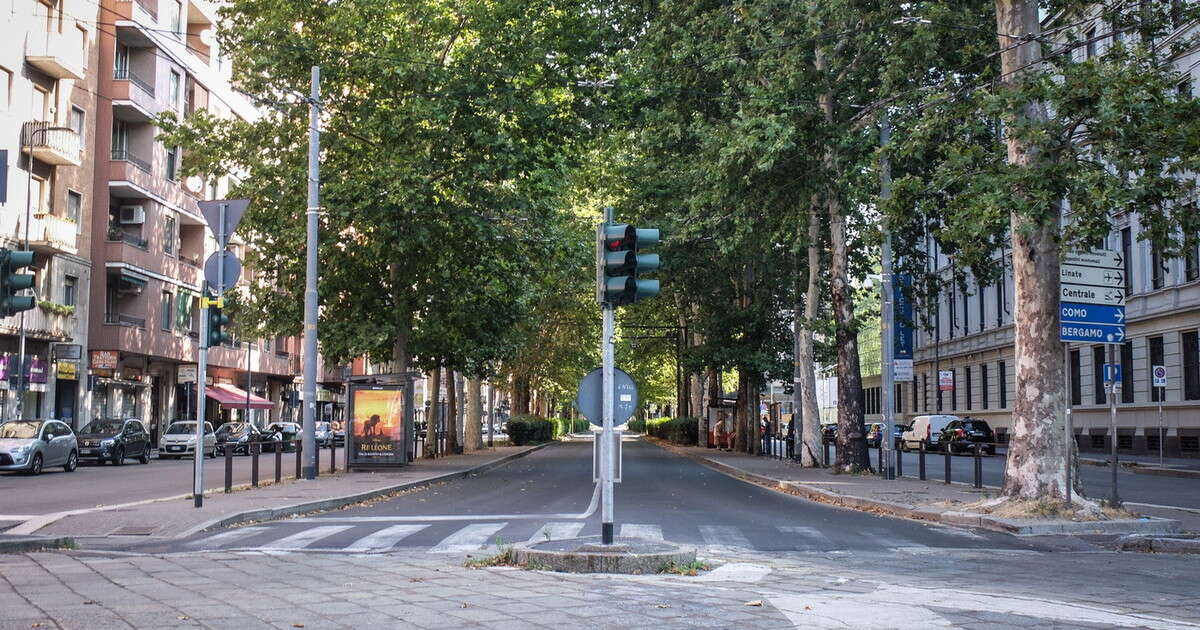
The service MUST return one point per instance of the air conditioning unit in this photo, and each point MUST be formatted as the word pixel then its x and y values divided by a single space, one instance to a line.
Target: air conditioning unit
pixel 133 215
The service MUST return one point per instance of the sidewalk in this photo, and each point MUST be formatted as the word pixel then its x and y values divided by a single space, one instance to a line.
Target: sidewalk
pixel 177 517
pixel 1148 464
pixel 914 499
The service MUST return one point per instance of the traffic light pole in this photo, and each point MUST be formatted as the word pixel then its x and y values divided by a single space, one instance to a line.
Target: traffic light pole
pixel 606 434
pixel 309 428
pixel 201 398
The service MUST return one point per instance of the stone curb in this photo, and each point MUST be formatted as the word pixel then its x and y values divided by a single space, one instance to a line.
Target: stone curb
pixel 1157 544
pixel 1142 469
pixel 592 561
pixel 1151 525
pixel 321 505
pixel 25 544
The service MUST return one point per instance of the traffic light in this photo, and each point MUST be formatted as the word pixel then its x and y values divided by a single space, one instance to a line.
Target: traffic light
pixel 620 263
pixel 217 320
pixel 12 283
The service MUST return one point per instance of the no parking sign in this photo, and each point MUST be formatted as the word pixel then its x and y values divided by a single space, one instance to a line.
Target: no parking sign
pixel 1159 373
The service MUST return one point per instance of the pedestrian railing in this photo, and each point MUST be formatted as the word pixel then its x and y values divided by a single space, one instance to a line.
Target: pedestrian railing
pixel 254 450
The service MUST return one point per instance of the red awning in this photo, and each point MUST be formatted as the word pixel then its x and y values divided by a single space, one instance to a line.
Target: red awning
pixel 235 398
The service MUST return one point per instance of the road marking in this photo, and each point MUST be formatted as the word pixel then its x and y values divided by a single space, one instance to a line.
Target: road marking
pixel 385 538
pixel 811 537
pixel 641 530
pixel 307 537
pixel 469 538
pixel 441 518
pixel 964 533
pixel 724 537
pixel 556 531
pixel 217 540
pixel 735 572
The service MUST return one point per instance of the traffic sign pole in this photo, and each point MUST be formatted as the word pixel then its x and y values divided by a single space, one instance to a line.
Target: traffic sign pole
pixel 606 434
pixel 1114 499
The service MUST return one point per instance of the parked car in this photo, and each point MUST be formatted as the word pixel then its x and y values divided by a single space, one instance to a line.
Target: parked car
pixel 114 440
pixel 286 432
pixel 31 445
pixel 180 440
pixel 324 435
pixel 962 435
pixel 925 429
pixel 875 431
pixel 829 432
pixel 236 436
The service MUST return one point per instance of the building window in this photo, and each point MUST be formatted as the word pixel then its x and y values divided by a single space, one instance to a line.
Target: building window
pixel 173 163
pixel 925 391
pixel 169 235
pixel 1156 358
pixel 70 283
pixel 1089 49
pixel 953 304
pixel 1127 258
pixel 175 16
pixel 166 314
pixel 967 379
pixel 121 62
pixel 983 385
pixel 37 195
pixel 1127 372
pixel 173 90
pixel 1184 90
pixel 83 44
pixel 78 121
pixel 1191 365
pixel 74 206
pixel 966 313
pixel 1003 375
pixel 1076 381
pixel 1158 268
pixel 1000 301
pixel 981 293
pixel 1098 374
pixel 1191 256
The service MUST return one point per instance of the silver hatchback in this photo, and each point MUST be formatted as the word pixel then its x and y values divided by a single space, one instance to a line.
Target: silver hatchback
pixel 31 445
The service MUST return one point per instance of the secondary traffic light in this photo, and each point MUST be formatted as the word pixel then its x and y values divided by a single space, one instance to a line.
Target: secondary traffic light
pixel 12 283
pixel 620 263
pixel 217 320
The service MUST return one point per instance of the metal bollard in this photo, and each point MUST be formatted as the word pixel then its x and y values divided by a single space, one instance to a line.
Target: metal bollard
pixel 825 448
pixel 921 462
pixel 899 463
pixel 332 457
pixel 299 448
pixel 978 467
pixel 278 465
pixel 947 451
pixel 254 447
pixel 228 469
pixel 882 472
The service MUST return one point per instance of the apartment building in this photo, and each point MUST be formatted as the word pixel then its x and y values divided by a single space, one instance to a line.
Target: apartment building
pixel 151 240
pixel 48 70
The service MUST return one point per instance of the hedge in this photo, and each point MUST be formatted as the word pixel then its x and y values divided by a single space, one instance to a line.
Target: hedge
pixel 523 430
pixel 677 430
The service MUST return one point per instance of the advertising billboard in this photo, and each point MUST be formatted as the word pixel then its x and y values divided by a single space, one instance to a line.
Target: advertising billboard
pixel 375 435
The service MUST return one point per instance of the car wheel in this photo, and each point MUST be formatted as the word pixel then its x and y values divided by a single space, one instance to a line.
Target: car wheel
pixel 145 458
pixel 72 462
pixel 35 466
pixel 119 457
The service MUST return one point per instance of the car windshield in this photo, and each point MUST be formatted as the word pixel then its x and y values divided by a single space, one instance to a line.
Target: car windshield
pixel 976 425
pixel 232 427
pixel 181 428
pixel 25 430
pixel 103 426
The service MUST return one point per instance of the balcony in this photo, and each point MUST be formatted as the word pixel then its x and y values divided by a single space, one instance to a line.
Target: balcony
pixel 51 144
pixel 122 319
pixel 117 235
pixel 133 98
pixel 49 234
pixel 56 54
pixel 39 324
pixel 125 155
pixel 145 11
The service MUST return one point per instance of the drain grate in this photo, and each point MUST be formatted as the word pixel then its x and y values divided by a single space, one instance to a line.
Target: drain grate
pixel 132 530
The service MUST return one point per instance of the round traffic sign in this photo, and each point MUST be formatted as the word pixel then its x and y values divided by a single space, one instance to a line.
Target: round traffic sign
pixel 591 402
pixel 1160 371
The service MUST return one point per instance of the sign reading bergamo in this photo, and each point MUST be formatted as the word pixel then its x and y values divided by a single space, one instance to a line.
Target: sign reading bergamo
pixel 1092 293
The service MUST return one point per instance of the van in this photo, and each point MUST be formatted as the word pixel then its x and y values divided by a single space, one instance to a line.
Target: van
pixel 925 429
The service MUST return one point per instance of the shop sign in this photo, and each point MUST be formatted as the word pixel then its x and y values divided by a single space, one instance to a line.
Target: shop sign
pixel 186 374
pixel 376 429
pixel 37 369
pixel 70 351
pixel 104 359
pixel 67 371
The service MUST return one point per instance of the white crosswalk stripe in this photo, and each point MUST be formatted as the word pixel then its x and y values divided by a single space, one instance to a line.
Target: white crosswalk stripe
pixel 556 531
pixel 805 537
pixel 307 537
pixel 641 530
pixel 385 538
pixel 226 537
pixel 469 538
pixel 724 537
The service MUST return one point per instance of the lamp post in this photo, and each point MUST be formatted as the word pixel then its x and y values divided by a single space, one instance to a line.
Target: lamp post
pixel 27 144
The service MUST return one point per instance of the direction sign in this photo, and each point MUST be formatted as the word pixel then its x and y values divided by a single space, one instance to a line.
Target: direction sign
pixel 591 398
pixel 1159 374
pixel 1095 333
pixel 1103 258
pixel 234 210
pixel 1087 294
pixel 1093 276
pixel 1091 313
pixel 212 270
pixel 902 370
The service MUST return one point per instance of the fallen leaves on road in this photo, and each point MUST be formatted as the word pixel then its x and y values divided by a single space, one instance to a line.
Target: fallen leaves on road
pixel 753 602
pixel 183 617
pixel 297 625
pixel 662 605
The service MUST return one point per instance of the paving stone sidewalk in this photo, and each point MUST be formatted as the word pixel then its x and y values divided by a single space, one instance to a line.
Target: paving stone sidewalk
pixel 178 516
pixel 905 497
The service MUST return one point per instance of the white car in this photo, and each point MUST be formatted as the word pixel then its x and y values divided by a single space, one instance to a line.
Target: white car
pixel 32 445
pixel 180 440
pixel 925 429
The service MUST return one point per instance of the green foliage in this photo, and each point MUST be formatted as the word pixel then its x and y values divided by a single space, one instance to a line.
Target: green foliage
pixel 534 429
pixel 55 308
pixel 677 430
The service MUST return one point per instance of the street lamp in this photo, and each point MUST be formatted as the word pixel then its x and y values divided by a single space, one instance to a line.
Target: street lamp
pixel 887 366
pixel 27 144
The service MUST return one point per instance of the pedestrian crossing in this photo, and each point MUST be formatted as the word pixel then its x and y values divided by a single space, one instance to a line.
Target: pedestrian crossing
pixel 448 537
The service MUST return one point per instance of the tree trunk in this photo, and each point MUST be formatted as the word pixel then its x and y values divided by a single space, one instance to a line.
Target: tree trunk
pixel 432 422
pixel 753 398
pixel 806 412
pixel 520 396
pixel 473 429
pixel 1037 448
pixel 740 417
pixel 451 413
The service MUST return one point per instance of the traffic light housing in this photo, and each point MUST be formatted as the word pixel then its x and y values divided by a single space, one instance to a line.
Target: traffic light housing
pixel 620 263
pixel 12 283
pixel 217 320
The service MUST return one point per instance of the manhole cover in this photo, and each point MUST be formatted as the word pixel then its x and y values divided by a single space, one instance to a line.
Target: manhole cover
pixel 133 530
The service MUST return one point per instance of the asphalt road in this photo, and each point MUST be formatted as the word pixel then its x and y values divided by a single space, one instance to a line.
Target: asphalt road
pixel 547 495
pixel 93 485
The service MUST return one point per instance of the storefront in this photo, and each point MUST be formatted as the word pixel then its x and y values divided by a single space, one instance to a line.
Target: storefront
pixel 35 385
pixel 117 393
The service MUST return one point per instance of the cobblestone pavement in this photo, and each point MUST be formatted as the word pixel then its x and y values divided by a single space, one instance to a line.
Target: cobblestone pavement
pixel 921 588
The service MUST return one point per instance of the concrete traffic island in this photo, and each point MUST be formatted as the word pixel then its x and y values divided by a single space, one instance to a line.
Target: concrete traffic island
pixel 588 555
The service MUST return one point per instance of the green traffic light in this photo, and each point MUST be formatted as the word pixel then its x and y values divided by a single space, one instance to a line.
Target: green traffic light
pixel 11 283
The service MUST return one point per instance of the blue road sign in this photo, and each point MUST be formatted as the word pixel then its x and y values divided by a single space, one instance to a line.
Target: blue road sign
pixel 1112 372
pixel 1095 333
pixel 1092 313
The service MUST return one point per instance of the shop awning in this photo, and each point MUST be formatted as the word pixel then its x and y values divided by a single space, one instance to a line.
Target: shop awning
pixel 235 398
